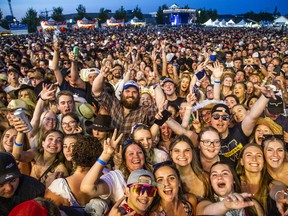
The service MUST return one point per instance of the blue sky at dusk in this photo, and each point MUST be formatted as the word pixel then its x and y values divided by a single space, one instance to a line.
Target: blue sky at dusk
pixel 222 6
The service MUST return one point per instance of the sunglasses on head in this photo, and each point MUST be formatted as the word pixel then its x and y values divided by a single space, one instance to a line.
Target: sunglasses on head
pixel 138 125
pixel 223 117
pixel 140 189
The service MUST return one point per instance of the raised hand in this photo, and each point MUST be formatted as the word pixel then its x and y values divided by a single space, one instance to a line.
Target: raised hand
pixel 217 69
pixel 115 210
pixel 19 125
pixel 48 92
pixel 117 158
pixel 237 201
pixel 196 122
pixel 105 70
pixel 266 90
pixel 282 202
pixel 191 99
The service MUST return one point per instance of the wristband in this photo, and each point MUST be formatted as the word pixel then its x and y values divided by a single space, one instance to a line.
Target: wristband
pixel 18 144
pixel 42 98
pixel 101 162
pixel 216 82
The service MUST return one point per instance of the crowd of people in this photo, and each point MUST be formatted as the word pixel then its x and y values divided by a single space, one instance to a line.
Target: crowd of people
pixel 144 121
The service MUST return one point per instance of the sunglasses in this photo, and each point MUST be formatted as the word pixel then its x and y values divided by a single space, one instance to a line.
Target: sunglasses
pixel 223 117
pixel 140 189
pixel 274 136
pixel 138 125
pixel 66 63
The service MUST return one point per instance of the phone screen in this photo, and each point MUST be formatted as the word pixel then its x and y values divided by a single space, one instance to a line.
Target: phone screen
pixel 201 74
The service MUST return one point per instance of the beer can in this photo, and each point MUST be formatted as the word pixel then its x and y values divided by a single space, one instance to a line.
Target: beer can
pixel 76 52
pixel 19 113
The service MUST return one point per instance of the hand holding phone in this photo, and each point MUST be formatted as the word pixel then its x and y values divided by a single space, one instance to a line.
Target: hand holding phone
pixel 166 114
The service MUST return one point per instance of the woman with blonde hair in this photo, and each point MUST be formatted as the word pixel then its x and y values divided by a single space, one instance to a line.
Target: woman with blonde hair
pixel 264 126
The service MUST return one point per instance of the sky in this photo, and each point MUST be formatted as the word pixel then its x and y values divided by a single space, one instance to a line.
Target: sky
pixel 234 7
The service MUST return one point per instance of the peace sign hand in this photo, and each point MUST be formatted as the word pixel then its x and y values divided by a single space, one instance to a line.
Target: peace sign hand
pixel 196 122
pixel 115 211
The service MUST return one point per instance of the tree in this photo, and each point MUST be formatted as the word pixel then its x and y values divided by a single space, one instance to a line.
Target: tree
pixel 81 12
pixel 159 15
pixel 120 14
pixel 137 12
pixel 31 19
pixel 1 14
pixel 103 15
pixel 57 14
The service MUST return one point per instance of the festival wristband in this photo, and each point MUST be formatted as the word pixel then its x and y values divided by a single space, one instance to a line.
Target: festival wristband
pixel 101 162
pixel 18 144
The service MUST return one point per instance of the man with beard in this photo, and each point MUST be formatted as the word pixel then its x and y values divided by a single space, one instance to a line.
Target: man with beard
pixel 126 112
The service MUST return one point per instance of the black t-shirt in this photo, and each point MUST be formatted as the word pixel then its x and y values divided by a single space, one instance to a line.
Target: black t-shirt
pixel 29 188
pixel 87 93
pixel 233 143
pixel 177 102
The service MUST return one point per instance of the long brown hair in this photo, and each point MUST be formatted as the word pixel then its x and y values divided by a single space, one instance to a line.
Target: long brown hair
pixel 263 192
pixel 195 164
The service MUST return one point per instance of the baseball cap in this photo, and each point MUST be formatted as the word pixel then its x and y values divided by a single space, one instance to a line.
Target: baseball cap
pixel 167 80
pixel 275 106
pixel 134 177
pixel 221 105
pixel 8 167
pixel 131 83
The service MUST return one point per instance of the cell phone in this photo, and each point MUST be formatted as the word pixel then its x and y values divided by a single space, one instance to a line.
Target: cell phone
pixel 195 89
pixel 201 74
pixel 166 114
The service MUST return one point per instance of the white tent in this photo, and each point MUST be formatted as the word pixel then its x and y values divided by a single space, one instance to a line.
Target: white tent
pixel 208 23
pixel 281 20
pixel 216 22
pixel 222 22
pixel 242 23
pixel 230 23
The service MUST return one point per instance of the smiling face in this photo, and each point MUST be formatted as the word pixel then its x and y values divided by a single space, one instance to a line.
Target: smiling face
pixel 134 157
pixel 53 143
pixel 219 124
pixel 167 177
pixel 228 82
pixel 184 85
pixel 181 154
pixel 69 125
pixel 8 139
pixel 252 159
pixel 144 137
pixel 49 121
pixel 260 131
pixel 68 144
pixel 274 154
pixel 138 203
pixel 221 179
pixel 238 112
pixel 211 151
